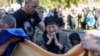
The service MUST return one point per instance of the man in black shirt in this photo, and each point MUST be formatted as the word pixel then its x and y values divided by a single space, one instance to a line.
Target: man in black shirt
pixel 27 18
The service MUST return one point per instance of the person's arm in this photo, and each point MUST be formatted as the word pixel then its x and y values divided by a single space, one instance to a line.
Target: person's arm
pixel 98 50
pixel 39 22
pixel 90 45
pixel 60 46
pixel 50 40
pixel 41 26
pixel 76 13
pixel 67 45
pixel 4 46
pixel 70 13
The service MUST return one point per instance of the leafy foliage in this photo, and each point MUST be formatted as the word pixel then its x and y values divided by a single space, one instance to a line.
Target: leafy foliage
pixel 55 3
pixel 48 3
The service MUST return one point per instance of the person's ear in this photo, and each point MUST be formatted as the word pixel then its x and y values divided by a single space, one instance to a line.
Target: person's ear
pixel 6 26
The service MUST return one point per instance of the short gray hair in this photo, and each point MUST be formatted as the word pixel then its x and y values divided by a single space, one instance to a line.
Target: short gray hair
pixel 9 20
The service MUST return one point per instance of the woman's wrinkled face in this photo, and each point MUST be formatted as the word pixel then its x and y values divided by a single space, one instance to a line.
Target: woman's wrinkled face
pixel 52 29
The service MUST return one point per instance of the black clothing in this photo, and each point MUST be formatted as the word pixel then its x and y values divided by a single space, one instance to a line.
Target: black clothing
pixel 27 22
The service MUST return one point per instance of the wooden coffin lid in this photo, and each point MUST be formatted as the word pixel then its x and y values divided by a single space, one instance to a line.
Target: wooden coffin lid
pixel 27 48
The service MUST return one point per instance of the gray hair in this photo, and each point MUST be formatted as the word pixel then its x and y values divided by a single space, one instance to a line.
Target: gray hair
pixel 9 20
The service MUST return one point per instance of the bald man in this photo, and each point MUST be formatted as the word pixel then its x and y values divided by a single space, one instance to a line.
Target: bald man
pixel 27 18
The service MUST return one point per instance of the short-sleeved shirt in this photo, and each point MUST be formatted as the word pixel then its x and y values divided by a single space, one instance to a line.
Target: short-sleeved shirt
pixel 27 22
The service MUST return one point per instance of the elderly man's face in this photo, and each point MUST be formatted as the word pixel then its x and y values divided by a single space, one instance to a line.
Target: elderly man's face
pixel 31 6
pixel 52 29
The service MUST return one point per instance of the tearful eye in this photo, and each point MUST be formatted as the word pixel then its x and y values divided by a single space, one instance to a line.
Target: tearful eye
pixel 49 27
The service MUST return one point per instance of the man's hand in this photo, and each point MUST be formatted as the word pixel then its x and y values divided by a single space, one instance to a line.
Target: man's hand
pixel 4 46
pixel 90 45
pixel 13 39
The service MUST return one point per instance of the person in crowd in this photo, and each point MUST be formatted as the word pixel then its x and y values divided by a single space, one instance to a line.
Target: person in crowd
pixel 69 21
pixel 90 45
pixel 53 39
pixel 11 11
pixel 27 18
pixel 74 38
pixel 40 10
pixel 6 22
pixel 74 17
pixel 2 12
pixel 50 13
pixel 82 20
pixel 59 18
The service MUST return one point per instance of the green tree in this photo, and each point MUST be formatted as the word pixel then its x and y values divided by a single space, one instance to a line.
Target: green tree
pixel 48 3
pixel 20 1
pixel 4 2
pixel 55 3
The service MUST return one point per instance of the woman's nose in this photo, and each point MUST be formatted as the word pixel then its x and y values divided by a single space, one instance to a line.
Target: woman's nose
pixel 51 29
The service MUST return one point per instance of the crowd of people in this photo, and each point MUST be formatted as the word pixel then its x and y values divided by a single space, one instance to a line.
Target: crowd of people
pixel 53 38
pixel 77 17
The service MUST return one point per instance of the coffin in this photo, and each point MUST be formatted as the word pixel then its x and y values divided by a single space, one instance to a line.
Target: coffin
pixel 27 48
